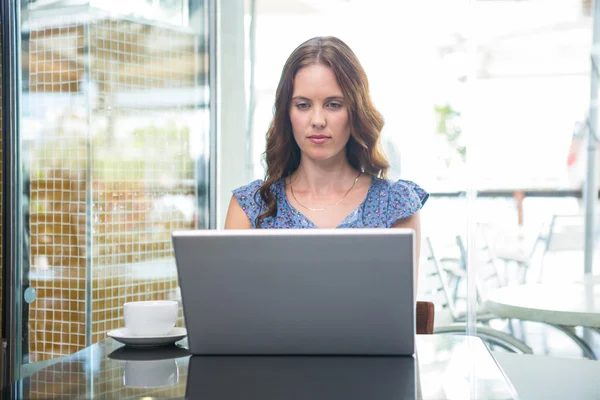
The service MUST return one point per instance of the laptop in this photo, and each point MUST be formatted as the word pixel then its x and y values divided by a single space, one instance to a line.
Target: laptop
pixel 298 292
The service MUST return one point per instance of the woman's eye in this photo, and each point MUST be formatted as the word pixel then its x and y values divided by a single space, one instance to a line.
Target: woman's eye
pixel 302 106
pixel 335 105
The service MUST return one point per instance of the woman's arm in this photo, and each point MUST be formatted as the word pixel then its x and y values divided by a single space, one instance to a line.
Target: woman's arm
pixel 413 222
pixel 236 217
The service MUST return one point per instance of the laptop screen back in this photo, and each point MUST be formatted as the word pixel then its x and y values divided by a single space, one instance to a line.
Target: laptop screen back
pixel 305 292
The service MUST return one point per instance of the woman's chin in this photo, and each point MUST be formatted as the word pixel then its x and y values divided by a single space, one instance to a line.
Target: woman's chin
pixel 324 156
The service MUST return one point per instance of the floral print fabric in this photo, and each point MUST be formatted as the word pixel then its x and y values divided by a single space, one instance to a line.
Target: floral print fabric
pixel 386 202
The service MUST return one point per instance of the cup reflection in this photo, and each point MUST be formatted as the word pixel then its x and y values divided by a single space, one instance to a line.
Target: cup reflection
pixel 150 374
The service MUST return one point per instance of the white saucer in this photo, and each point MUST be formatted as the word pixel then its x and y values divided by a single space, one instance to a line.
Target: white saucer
pixel 122 335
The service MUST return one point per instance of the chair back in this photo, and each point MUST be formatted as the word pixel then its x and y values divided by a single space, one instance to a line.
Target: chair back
pixel 566 233
pixel 425 317
pixel 436 281
pixel 449 272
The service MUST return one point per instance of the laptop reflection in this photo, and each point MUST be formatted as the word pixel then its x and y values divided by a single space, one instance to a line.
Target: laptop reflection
pixel 301 377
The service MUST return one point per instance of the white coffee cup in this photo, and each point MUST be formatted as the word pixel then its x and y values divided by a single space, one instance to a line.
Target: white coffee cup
pixel 150 318
pixel 149 374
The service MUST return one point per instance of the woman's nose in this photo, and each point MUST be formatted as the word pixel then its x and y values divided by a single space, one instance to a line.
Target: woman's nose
pixel 318 120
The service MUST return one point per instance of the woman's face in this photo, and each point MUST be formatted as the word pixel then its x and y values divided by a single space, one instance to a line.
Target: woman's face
pixel 319 114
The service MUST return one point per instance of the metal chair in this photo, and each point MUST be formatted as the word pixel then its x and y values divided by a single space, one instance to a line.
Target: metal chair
pixel 449 318
pixel 561 233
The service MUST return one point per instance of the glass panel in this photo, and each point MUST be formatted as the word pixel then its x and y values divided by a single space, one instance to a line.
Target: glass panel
pixel 165 11
pixel 115 147
pixel 452 75
pixel 532 100
pixel 1 208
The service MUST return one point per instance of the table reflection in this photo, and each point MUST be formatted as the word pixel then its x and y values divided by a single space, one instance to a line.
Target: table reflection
pixel 446 367
pixel 298 377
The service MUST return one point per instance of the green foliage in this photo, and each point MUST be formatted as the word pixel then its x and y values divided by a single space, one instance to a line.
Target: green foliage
pixel 448 125
pixel 149 153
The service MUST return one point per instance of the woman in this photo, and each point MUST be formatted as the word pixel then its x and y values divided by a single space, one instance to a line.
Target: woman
pixel 325 167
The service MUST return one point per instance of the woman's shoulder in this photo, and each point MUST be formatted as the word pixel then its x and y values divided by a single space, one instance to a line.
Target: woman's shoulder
pixel 249 188
pixel 400 198
pixel 253 187
pixel 402 188
pixel 249 198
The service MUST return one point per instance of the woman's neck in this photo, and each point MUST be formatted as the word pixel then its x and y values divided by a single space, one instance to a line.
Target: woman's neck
pixel 321 179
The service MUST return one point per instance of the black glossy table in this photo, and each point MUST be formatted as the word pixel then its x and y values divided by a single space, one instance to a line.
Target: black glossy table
pixel 446 367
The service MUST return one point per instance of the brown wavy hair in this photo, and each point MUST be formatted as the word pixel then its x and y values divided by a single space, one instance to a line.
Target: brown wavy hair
pixel 363 150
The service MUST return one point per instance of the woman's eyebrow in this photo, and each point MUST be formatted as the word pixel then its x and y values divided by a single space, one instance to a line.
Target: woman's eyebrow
pixel 326 99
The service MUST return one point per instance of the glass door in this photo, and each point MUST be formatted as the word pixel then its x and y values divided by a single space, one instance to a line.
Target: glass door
pixel 114 154
pixel 9 302
pixel 2 354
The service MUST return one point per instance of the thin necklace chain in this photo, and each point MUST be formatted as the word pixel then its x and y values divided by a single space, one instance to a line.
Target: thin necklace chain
pixel 328 207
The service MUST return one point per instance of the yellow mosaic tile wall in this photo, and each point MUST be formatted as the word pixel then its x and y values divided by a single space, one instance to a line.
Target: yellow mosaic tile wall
pixel 129 162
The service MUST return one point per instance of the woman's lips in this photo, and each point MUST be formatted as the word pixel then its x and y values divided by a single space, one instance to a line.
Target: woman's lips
pixel 318 139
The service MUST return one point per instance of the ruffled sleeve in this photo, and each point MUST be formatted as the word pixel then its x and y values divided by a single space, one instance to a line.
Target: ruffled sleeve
pixel 250 200
pixel 405 199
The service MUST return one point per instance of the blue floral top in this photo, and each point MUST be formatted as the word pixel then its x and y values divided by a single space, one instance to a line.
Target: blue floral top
pixel 386 202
